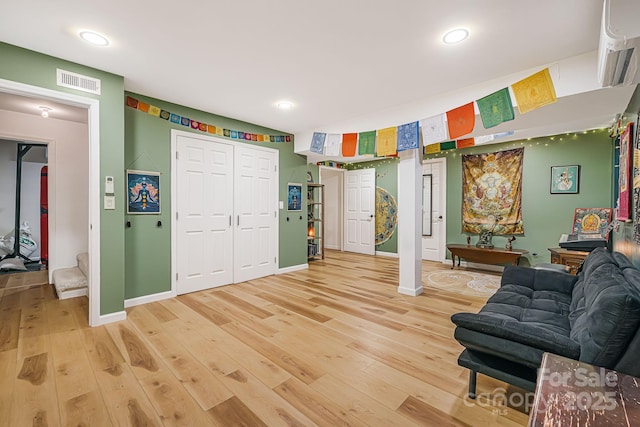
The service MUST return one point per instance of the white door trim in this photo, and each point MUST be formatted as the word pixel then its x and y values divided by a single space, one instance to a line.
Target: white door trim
pixel 442 250
pixel 93 110
pixel 175 133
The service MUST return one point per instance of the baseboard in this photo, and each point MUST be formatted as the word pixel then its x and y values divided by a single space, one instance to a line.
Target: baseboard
pixel 72 293
pixel 293 268
pixel 387 254
pixel 111 317
pixel 132 302
pixel 410 291
pixel 478 266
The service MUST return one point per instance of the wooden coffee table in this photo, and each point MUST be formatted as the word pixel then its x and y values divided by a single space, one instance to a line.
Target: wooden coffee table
pixel 484 256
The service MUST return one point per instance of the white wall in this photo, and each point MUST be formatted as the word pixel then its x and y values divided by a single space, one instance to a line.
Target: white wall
pixel 30 194
pixel 68 181
pixel 332 181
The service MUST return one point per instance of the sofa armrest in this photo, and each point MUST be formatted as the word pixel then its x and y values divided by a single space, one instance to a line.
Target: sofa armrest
pixel 527 334
pixel 538 279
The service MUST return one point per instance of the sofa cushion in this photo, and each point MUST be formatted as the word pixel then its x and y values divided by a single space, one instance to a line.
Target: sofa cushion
pixel 524 315
pixel 605 311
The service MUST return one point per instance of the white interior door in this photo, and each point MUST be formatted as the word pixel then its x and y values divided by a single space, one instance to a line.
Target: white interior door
pixel 359 211
pixel 433 246
pixel 205 210
pixel 255 213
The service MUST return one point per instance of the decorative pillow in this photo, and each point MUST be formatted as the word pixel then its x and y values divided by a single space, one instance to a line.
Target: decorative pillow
pixel 12 264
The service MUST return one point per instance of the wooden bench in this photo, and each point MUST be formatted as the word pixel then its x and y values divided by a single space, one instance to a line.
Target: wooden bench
pixel 484 255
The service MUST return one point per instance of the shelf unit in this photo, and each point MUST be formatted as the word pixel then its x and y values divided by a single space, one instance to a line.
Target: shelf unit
pixel 315 221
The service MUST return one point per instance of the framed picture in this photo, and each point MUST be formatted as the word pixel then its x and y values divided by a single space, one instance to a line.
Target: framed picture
pixel 623 211
pixel 592 221
pixel 565 179
pixel 143 192
pixel 294 196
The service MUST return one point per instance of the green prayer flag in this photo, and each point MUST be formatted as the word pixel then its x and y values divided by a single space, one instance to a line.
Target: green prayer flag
pixel 447 145
pixel 495 108
pixel 367 142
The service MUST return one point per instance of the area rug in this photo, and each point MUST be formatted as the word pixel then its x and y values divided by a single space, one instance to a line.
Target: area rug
pixel 463 282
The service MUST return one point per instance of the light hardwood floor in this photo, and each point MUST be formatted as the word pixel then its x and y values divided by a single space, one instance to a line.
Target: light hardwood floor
pixel 334 345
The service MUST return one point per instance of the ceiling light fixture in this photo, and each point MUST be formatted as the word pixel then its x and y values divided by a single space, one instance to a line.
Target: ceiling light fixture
pixel 44 111
pixel 284 105
pixel 455 36
pixel 94 38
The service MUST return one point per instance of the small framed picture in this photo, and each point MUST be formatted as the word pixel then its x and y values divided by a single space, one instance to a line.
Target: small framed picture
pixel 565 179
pixel 143 192
pixel 294 196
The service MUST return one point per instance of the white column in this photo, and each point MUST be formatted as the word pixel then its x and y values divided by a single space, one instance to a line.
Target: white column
pixel 410 222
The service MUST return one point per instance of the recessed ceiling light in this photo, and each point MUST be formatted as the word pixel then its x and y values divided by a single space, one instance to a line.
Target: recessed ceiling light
pixel 284 105
pixel 94 38
pixel 455 36
pixel 44 111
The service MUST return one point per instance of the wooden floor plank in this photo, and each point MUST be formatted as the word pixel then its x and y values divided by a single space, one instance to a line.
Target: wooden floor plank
pixel 334 344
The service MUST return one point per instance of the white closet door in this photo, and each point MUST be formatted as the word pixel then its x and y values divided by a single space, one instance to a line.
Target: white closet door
pixel 359 211
pixel 205 209
pixel 255 205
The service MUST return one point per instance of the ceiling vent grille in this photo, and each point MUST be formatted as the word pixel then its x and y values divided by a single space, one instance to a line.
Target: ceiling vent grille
pixel 78 81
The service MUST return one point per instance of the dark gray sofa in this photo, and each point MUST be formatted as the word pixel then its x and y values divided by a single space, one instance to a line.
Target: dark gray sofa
pixel 592 317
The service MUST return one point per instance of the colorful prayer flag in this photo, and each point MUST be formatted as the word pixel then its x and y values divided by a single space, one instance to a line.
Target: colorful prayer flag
pixel 154 111
pixel 288 138
pixel 534 92
pixel 461 120
pixel 227 133
pixel 317 142
pixel 495 108
pixel 434 129
pixel 260 138
pixel 202 127
pixel 447 145
pixel 349 142
pixel 387 141
pixel 194 124
pixel 175 118
pixel 464 143
pixel 332 144
pixel 164 114
pixel 143 106
pixel 432 148
pixel 211 129
pixel 219 131
pixel 185 121
pixel 254 137
pixel 367 142
pixel 132 102
pixel 234 134
pixel 408 136
pixel 240 135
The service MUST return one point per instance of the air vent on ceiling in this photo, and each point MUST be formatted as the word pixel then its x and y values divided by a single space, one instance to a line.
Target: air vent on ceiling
pixel 78 81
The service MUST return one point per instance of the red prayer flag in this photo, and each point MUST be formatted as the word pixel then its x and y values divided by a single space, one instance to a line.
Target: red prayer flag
pixel 349 143
pixel 464 143
pixel 461 120
pixel 132 102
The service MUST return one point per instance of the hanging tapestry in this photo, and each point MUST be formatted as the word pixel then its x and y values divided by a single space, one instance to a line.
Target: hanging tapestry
pixel 492 192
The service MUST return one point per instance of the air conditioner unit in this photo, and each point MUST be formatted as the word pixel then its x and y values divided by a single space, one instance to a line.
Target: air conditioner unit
pixel 619 43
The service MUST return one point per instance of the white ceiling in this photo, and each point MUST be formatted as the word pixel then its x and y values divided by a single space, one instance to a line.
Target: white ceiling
pixel 337 61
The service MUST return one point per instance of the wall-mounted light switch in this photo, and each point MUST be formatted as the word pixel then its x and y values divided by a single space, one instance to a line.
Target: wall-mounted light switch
pixel 109 202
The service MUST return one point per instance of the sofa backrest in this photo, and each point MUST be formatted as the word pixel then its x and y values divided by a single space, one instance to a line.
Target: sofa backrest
pixel 605 309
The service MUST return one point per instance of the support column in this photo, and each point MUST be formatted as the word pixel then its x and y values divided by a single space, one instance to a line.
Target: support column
pixel 410 222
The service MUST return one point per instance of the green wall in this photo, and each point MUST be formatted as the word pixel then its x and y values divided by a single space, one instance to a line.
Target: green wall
pixel 32 68
pixel 386 178
pixel 546 216
pixel 147 147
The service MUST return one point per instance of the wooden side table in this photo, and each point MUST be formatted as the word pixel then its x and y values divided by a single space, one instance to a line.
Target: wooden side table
pixel 572 393
pixel 483 255
pixel 572 259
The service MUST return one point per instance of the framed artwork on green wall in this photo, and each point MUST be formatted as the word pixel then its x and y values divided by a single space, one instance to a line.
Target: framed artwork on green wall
pixel 143 192
pixel 565 179
pixel 294 196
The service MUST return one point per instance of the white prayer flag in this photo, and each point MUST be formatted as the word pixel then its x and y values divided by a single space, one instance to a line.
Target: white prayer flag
pixel 333 144
pixel 434 129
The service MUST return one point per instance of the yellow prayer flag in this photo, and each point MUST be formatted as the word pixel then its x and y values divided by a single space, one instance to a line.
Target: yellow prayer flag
pixel 534 92
pixel 154 111
pixel 387 141
pixel 432 148
pixel 219 131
